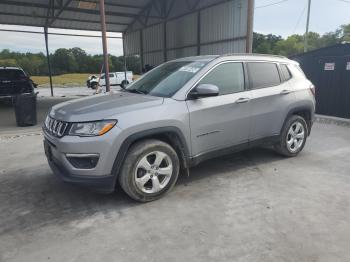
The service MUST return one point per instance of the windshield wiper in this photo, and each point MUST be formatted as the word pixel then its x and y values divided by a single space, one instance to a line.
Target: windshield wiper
pixel 135 91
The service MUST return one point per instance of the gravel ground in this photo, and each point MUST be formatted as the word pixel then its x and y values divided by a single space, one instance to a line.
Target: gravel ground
pixel 250 206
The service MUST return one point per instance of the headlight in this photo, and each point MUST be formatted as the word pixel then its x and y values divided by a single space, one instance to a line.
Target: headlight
pixel 97 128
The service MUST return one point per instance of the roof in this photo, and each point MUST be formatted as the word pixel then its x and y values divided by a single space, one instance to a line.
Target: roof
pixel 10 67
pixel 85 15
pixel 70 14
pixel 203 58
pixel 238 56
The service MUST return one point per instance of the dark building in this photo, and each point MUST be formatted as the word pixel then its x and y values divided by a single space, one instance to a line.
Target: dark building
pixel 329 70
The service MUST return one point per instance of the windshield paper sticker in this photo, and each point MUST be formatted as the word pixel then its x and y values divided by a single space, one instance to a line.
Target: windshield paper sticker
pixel 190 69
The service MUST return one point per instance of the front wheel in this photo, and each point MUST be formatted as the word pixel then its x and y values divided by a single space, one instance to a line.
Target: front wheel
pixel 150 170
pixel 94 86
pixel 293 136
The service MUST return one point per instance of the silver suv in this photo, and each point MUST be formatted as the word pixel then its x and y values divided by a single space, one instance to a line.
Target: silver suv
pixel 177 115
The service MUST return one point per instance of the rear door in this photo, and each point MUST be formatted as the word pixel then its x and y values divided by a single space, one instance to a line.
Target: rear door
pixel 271 97
pixel 221 121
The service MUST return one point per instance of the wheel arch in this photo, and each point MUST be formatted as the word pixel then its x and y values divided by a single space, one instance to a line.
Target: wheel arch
pixel 171 135
pixel 305 111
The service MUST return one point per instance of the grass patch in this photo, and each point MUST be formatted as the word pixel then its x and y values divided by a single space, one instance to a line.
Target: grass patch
pixel 66 79
pixel 76 79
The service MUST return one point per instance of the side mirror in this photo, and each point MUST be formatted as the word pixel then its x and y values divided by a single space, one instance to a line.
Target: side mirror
pixel 203 90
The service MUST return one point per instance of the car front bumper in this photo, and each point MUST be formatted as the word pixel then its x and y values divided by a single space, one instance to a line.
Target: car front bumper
pixel 100 177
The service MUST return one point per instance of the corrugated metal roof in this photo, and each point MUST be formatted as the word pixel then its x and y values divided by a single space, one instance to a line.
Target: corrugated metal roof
pixel 66 14
pixel 121 15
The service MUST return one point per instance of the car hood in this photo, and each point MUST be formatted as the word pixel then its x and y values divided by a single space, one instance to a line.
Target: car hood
pixel 99 107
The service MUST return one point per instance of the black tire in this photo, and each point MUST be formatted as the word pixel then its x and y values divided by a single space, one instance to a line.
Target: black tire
pixel 124 84
pixel 138 151
pixel 281 147
pixel 94 86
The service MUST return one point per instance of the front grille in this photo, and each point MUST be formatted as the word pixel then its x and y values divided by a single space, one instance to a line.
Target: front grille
pixel 56 127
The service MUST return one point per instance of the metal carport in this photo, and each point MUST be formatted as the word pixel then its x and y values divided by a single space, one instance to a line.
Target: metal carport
pixel 156 30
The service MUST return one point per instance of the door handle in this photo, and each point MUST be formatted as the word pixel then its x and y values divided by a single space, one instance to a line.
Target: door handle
pixel 242 100
pixel 285 92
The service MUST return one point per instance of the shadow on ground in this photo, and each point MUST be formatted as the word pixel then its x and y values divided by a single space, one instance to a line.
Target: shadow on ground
pixel 33 198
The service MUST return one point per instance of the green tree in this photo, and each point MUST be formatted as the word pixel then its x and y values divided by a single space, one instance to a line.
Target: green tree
pixel 291 46
pixel 63 61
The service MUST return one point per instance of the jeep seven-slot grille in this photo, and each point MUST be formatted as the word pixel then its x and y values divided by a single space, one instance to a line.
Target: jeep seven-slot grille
pixel 55 127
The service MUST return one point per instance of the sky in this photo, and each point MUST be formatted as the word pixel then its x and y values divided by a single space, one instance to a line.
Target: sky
pixel 284 18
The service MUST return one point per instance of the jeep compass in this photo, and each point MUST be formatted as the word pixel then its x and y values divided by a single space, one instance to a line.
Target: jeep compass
pixel 175 116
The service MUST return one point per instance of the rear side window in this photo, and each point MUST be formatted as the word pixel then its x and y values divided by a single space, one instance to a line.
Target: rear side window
pixel 228 77
pixel 263 74
pixel 285 72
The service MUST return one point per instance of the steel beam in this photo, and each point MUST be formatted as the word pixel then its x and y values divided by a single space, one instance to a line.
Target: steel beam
pixel 250 18
pixel 59 12
pixel 60 34
pixel 63 19
pixel 104 43
pixel 124 56
pixel 199 32
pixel 48 58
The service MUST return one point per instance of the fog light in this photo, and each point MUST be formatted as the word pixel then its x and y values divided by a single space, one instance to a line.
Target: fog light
pixel 83 161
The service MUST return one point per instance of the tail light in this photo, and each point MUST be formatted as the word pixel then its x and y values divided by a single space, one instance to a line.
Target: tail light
pixel 313 90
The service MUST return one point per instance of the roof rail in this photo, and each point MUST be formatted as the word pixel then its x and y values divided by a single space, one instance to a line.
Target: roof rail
pixel 254 54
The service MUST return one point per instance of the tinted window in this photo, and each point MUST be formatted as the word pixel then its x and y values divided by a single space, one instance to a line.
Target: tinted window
pixel 111 75
pixel 228 77
pixel 167 79
pixel 263 75
pixel 11 74
pixel 285 72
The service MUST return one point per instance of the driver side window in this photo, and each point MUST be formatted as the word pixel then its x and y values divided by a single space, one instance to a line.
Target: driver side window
pixel 228 77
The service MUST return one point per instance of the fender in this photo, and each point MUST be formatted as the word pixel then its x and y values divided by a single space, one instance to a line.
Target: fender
pixel 168 130
pixel 302 108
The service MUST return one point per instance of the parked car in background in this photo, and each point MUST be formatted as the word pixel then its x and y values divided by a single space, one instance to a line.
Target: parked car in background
pixel 115 78
pixel 14 81
pixel 175 116
pixel 92 82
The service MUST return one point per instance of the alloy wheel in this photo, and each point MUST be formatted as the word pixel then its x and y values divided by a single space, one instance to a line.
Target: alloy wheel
pixel 295 137
pixel 153 172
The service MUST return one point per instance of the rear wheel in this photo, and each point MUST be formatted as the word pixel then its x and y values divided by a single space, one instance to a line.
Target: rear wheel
pixel 150 170
pixel 124 84
pixel 293 136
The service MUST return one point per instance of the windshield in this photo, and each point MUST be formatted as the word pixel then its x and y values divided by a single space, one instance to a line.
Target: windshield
pixel 166 79
pixel 11 74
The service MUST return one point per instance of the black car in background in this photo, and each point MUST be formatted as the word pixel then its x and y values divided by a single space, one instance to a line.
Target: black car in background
pixel 14 81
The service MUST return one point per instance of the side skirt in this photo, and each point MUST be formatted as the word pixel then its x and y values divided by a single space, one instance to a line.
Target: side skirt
pixel 193 161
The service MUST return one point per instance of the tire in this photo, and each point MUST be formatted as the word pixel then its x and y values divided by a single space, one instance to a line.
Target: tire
pixel 94 86
pixel 291 136
pixel 140 172
pixel 124 84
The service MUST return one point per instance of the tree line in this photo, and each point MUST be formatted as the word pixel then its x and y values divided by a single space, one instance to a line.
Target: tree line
pixel 63 61
pixel 294 44
pixel 76 60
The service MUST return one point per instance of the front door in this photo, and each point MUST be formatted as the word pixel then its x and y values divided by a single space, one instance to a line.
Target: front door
pixel 221 121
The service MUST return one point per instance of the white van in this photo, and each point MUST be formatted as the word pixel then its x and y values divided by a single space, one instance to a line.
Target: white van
pixel 118 78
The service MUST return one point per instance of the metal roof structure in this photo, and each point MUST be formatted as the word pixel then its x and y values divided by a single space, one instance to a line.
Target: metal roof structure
pixel 155 30
pixel 70 14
